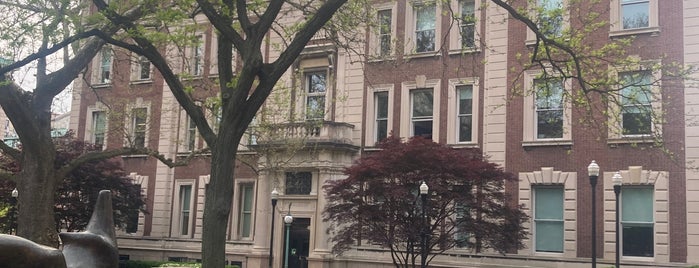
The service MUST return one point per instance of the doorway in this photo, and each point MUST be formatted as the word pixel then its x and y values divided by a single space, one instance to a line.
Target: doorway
pixel 299 241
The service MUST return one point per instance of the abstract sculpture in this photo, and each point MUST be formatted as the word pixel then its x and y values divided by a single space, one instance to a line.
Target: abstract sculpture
pixel 96 247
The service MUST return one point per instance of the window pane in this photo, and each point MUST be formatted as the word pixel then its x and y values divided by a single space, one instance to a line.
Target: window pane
pixel 381 99
pixel 246 209
pixel 315 108
pixel 549 236
pixel 637 204
pixel 549 108
pixel 422 103
pixel 298 183
pixel 465 112
pixel 548 202
pixel 468 24
pixel 105 66
pixel 422 128
pixel 185 202
pixel 191 134
pixel 551 17
pixel 99 125
pixel 384 32
pixel 637 240
pixel 316 82
pixel 634 14
pixel 636 97
pixel 425 28
pixel 548 218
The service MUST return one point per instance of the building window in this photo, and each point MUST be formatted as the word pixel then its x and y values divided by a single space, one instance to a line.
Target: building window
pixel 105 70
pixel 384 31
pixel 425 27
pixel 548 219
pixel 465 113
pixel 381 114
pixel 246 205
pixel 298 183
pixel 549 108
pixel 635 14
pixel 191 134
pixel 99 127
pixel 143 68
pixel 636 102
pixel 550 17
pixel 316 84
pixel 185 196
pixel 467 23
pixel 138 127
pixel 463 219
pixel 197 63
pixel 421 112
pixel 132 215
pixel 637 221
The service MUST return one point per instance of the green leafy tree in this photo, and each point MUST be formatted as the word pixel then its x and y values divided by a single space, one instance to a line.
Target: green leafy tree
pixel 379 202
pixel 77 193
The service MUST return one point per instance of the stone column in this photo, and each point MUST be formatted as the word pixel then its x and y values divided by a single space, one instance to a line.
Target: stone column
pixel 321 253
pixel 259 258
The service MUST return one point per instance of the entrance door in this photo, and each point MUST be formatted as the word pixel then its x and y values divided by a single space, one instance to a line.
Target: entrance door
pixel 299 238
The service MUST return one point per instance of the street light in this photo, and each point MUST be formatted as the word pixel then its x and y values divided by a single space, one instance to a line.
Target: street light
pixel 617 181
pixel 13 225
pixel 288 219
pixel 424 190
pixel 593 172
pixel 275 196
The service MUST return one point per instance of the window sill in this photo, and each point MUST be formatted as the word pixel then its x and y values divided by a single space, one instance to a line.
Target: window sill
pixel 102 85
pixel 638 139
pixel 377 58
pixel 464 145
pixel 653 31
pixel 135 156
pixel 141 81
pixel 422 55
pixel 542 143
pixel 463 51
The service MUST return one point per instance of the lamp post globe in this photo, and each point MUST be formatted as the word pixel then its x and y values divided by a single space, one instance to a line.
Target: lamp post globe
pixel 15 193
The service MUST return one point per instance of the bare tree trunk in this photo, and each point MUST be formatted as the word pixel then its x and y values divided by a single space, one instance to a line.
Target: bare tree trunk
pixel 218 200
pixel 37 186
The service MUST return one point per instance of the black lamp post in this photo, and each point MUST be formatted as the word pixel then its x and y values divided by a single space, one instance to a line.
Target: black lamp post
pixel 275 196
pixel 593 172
pixel 424 190
pixel 617 181
pixel 13 225
pixel 288 219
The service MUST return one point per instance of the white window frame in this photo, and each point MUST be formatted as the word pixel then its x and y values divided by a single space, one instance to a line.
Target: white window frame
pixel 549 176
pixel 531 37
pixel 637 176
pixel 94 122
pixel 371 127
pixel 129 140
pixel 90 128
pixel 411 24
pixel 529 126
pixel 143 182
pixel 137 69
pixel 406 105
pixel 196 55
pixel 536 221
pixel 177 220
pixel 455 37
pixel 308 95
pixel 616 27
pixel 241 210
pixel 453 110
pixel 375 32
pixel 615 121
pixel 100 67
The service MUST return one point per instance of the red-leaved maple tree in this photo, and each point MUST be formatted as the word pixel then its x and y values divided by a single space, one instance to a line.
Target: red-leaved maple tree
pixel 379 202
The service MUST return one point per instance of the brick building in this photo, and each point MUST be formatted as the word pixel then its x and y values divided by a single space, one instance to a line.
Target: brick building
pixel 421 77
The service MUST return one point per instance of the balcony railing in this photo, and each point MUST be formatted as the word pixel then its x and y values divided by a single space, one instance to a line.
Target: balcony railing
pixel 311 133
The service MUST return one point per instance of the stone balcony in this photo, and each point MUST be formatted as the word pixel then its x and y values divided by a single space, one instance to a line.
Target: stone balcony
pixel 318 134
